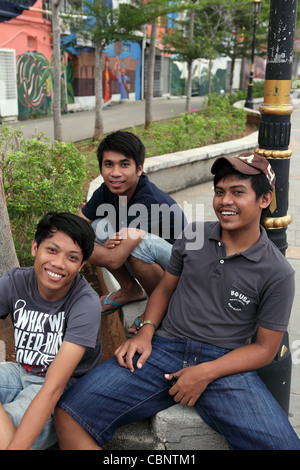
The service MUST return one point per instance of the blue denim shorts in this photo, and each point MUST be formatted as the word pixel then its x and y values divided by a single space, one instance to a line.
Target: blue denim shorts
pixel 17 390
pixel 238 406
pixel 151 249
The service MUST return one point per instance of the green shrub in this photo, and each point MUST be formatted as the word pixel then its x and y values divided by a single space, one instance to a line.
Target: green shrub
pixel 38 177
pixel 258 92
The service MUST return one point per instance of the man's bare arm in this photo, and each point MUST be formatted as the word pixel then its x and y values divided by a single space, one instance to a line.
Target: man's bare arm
pixel 113 257
pixel 156 309
pixel 44 402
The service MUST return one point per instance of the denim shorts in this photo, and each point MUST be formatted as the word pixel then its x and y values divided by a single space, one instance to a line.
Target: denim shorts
pixel 238 406
pixel 151 249
pixel 17 390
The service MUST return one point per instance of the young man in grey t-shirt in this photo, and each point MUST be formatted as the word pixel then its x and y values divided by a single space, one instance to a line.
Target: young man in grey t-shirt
pixel 194 345
pixel 56 318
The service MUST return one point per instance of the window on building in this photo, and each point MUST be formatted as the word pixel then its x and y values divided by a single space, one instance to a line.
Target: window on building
pixel 32 43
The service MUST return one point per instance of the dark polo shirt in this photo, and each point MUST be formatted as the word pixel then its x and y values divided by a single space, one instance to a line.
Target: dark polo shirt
pixel 221 299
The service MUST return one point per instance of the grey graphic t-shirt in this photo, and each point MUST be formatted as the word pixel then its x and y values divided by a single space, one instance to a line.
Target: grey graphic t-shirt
pixel 40 326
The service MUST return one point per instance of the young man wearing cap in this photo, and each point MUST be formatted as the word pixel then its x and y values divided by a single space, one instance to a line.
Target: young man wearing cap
pixel 198 329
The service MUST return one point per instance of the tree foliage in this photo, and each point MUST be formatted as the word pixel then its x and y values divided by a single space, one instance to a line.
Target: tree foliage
pixel 37 178
pixel 220 27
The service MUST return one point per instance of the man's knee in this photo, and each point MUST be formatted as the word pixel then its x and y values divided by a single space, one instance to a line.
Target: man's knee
pixel 62 420
pixel 153 250
pixel 103 230
pixel 71 435
pixel 65 427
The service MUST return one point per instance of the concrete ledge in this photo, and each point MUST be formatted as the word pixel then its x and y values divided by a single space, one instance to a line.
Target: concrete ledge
pixel 253 115
pixel 74 107
pixel 135 436
pixel 256 102
pixel 181 428
pixel 2 351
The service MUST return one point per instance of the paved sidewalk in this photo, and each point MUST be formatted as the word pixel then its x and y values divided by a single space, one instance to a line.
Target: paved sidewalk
pixel 293 255
pixel 80 125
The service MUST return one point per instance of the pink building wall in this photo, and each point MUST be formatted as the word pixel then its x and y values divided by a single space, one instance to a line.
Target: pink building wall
pixel 27 32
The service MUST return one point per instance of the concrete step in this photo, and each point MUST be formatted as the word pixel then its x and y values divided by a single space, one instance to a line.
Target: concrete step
pixel 135 436
pixel 177 428
pixel 181 428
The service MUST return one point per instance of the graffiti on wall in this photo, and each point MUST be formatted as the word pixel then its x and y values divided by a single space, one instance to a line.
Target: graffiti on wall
pixel 34 83
pixel 121 69
pixel 121 78
pixel 200 77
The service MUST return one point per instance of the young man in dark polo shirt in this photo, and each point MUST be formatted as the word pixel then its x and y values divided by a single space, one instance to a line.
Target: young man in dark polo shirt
pixel 198 328
pixel 135 222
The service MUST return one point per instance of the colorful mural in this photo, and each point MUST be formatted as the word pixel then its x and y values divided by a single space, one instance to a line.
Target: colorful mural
pixel 200 77
pixel 107 77
pixel 34 82
pixel 28 33
pixel 33 45
pixel 34 85
pixel 121 73
pixel 124 59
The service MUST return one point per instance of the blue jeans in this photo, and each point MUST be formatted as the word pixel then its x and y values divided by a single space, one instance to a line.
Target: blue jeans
pixel 238 406
pixel 151 249
pixel 17 390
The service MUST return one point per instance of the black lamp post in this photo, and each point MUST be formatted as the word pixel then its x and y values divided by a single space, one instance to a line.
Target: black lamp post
pixel 249 100
pixel 273 144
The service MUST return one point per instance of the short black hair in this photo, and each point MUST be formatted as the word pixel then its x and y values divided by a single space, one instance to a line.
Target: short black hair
pixel 259 182
pixel 123 142
pixel 76 227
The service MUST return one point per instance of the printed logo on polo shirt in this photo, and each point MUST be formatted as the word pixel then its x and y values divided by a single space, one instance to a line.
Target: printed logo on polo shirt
pixel 238 300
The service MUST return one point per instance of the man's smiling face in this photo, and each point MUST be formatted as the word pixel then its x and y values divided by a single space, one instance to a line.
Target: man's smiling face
pixel 120 173
pixel 57 261
pixel 236 205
